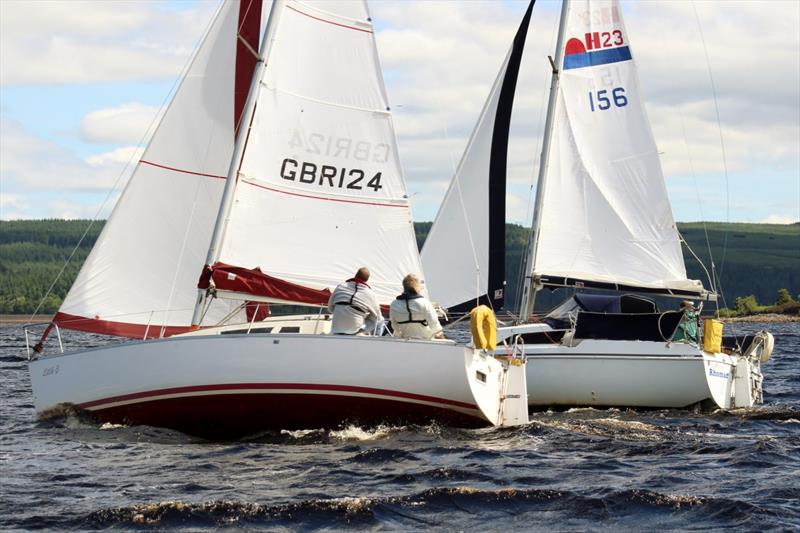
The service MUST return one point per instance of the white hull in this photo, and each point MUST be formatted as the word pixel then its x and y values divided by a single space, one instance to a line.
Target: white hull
pixel 637 374
pixel 231 385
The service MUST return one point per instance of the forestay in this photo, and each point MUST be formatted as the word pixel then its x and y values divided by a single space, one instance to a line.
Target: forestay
pixel 464 254
pixel 141 276
pixel 320 190
pixel 605 214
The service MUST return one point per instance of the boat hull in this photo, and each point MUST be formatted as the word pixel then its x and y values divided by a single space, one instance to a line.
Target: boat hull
pixel 628 374
pixel 233 385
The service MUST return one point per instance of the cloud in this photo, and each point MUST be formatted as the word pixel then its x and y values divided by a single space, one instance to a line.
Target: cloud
pixel 518 210
pixel 56 41
pixel 30 163
pixel 126 124
pixel 12 206
pixel 128 155
pixel 72 208
pixel 440 60
pixel 780 219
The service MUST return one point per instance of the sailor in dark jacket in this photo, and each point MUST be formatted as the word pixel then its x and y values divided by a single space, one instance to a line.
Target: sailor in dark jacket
pixel 412 315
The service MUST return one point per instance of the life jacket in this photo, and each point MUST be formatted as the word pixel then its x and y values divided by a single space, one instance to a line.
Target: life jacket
pixel 407 297
pixel 343 299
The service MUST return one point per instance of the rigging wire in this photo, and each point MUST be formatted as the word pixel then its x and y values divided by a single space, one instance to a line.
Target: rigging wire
pixel 711 276
pixel 543 98
pixel 724 155
pixel 457 182
pixel 149 131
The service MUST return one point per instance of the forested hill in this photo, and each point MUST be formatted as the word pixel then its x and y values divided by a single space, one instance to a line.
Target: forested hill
pixel 758 259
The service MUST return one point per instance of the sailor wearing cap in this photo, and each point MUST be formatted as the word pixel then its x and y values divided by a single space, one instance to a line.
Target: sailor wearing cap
pixel 687 329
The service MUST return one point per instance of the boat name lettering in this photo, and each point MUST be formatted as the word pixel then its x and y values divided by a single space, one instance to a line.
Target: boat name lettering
pixel 331 146
pixel 603 39
pixel 50 370
pixel 718 374
pixel 327 175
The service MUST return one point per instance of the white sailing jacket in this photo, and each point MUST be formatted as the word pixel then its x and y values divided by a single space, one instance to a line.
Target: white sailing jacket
pixel 413 317
pixel 355 308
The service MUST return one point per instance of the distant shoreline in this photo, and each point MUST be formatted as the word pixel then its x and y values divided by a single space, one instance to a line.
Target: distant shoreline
pixel 766 317
pixel 16 320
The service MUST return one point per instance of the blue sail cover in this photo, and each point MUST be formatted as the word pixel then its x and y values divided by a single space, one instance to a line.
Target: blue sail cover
pixel 599 303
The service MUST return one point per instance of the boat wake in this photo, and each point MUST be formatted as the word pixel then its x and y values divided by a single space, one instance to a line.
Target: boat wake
pixel 358 433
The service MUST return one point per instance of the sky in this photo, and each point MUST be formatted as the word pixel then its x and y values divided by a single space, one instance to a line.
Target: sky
pixel 81 82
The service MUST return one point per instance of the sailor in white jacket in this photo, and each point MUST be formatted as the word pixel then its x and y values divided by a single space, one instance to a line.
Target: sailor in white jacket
pixel 355 306
pixel 412 315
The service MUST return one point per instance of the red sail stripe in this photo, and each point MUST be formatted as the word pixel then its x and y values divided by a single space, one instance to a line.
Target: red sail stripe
pixel 329 21
pixel 260 186
pixel 120 329
pixel 222 388
pixel 182 171
pixel 249 29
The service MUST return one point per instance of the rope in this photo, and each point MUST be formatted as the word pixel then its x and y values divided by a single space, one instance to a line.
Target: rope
pixel 721 141
pixel 699 261
pixel 721 291
pixel 712 280
pixel 457 183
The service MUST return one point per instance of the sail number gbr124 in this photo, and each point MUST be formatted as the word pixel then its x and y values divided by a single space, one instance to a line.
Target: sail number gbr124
pixel 329 176
pixel 334 147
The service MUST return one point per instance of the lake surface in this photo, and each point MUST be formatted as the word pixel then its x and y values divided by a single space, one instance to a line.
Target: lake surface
pixel 583 469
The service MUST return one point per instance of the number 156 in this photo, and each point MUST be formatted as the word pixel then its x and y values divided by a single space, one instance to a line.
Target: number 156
pixel 603 100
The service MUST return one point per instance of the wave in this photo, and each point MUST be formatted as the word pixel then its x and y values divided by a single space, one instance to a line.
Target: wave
pixel 447 507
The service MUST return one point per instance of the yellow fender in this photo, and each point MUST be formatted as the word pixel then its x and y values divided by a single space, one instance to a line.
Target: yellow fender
pixel 484 328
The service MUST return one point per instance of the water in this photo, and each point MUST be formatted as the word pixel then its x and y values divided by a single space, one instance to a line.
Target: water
pixel 583 469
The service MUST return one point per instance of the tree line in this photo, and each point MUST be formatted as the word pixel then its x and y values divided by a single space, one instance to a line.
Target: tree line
pixel 751 260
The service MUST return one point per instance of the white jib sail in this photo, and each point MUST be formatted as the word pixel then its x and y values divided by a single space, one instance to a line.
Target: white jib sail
pixel 464 254
pixel 605 212
pixel 456 252
pixel 320 189
pixel 142 273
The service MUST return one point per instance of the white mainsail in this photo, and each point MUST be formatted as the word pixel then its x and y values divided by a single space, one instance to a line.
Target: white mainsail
pixel 605 213
pixel 320 189
pixel 464 254
pixel 141 276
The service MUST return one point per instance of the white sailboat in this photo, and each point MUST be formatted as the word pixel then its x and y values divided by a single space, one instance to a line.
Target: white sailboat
pixel 602 220
pixel 276 167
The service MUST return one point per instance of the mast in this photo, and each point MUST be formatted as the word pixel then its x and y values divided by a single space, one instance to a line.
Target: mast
pixel 529 286
pixel 236 160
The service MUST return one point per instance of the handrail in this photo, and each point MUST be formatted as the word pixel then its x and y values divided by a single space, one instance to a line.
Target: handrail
pixel 29 325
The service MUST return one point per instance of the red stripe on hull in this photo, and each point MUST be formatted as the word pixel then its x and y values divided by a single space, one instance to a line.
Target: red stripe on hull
pixel 274 386
pixel 226 416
